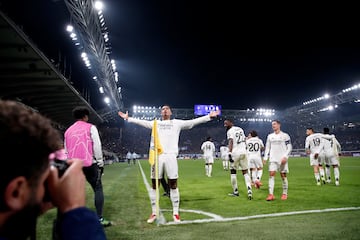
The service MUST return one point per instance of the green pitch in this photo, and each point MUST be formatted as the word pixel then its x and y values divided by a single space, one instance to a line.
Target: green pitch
pixel 205 199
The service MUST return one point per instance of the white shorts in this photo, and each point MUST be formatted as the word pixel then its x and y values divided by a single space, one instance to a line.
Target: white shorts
pixel 240 160
pixel 209 159
pixel 331 159
pixel 278 167
pixel 255 162
pixel 321 158
pixel 313 161
pixel 167 165
pixel 225 157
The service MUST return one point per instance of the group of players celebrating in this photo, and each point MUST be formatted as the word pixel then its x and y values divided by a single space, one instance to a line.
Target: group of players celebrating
pixel 249 154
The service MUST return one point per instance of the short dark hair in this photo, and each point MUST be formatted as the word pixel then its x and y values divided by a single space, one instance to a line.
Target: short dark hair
pixel 310 128
pixel 80 112
pixel 326 130
pixel 253 133
pixel 208 139
pixel 229 119
pixel 277 121
pixel 33 138
pixel 167 105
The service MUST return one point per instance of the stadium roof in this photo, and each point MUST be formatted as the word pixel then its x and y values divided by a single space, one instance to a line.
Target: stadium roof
pixel 28 76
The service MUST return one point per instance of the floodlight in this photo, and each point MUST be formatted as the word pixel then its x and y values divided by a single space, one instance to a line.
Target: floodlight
pixel 99 5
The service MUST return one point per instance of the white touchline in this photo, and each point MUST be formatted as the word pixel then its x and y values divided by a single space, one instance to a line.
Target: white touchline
pixel 217 218
pixel 262 215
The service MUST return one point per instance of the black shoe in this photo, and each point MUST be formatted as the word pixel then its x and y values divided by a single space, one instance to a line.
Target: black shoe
pixel 234 194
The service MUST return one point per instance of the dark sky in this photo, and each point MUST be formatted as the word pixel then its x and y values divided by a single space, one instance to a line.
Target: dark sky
pixel 213 52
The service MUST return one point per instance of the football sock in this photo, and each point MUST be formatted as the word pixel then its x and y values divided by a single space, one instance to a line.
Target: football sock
pixel 259 174
pixel 153 200
pixel 247 181
pixel 317 177
pixel 175 199
pixel 271 184
pixel 336 174
pixel 233 182
pixel 328 173
pixel 285 185
pixel 210 170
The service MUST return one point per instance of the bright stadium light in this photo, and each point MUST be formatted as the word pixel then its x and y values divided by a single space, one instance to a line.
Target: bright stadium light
pixel 143 112
pixel 101 89
pixel 99 5
pixel 69 28
pixel 107 100
pixel 354 87
pixel 325 96
pixel 329 108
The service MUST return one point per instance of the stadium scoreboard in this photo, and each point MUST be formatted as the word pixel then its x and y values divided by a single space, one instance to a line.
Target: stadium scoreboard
pixel 200 109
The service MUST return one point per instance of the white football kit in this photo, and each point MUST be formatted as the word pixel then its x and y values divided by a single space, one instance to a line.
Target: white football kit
pixel 315 143
pixel 169 132
pixel 224 153
pixel 331 150
pixel 277 147
pixel 254 146
pixel 208 149
pixel 239 148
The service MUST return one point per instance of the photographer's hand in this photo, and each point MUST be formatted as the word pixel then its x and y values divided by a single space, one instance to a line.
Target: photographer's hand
pixel 68 192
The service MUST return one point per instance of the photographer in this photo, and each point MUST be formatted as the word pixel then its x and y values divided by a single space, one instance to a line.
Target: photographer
pixel 28 143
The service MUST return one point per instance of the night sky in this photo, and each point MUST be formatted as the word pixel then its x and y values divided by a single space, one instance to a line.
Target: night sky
pixel 211 52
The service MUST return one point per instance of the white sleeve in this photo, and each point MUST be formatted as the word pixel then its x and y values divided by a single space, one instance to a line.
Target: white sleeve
pixel 288 146
pixel 267 148
pixel 307 144
pixel 144 123
pixel 337 145
pixel 97 146
pixel 188 124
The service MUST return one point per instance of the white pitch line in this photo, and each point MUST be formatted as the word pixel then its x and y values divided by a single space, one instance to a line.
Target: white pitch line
pixel 265 215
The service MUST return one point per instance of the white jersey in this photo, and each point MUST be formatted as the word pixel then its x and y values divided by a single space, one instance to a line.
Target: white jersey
pixel 208 148
pixel 238 136
pixel 277 146
pixel 169 130
pixel 128 155
pixel 315 143
pixel 331 145
pixel 254 147
pixel 224 152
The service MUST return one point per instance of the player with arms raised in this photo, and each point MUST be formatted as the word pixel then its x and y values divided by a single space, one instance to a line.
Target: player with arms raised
pixel 169 132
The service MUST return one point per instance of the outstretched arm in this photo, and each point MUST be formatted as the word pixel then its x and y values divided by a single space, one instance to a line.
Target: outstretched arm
pixel 124 116
pixel 188 124
pixel 144 123
pixel 214 113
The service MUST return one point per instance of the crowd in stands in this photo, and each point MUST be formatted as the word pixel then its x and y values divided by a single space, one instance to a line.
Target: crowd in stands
pixel 133 138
